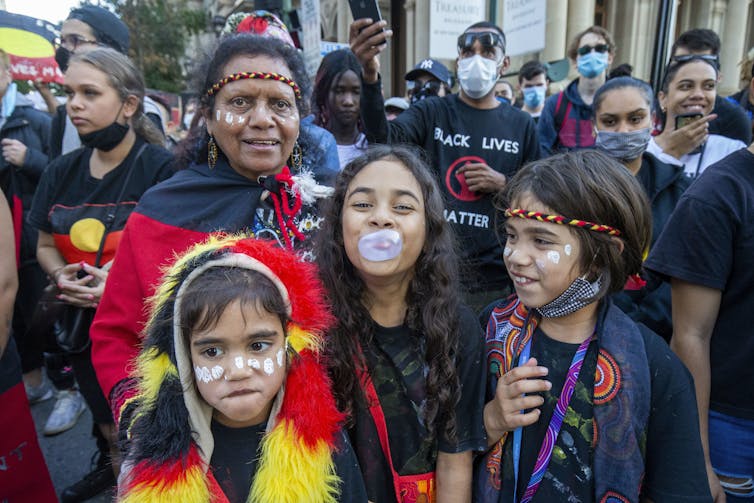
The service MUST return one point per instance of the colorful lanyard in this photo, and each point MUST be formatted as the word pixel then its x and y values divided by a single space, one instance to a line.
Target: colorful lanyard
pixel 553 429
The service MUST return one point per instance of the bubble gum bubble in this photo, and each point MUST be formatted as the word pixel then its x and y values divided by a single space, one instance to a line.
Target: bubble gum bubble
pixel 381 245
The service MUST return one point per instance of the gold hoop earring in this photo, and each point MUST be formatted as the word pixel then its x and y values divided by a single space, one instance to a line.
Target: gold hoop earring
pixel 211 152
pixel 297 157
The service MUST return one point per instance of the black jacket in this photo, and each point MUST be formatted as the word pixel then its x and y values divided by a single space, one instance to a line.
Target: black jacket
pixel 32 128
pixel 664 184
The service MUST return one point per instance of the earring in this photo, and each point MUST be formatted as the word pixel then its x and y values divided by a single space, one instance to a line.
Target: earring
pixel 211 152
pixel 297 157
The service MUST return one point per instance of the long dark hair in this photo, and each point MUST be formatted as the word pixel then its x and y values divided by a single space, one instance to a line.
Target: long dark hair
pixel 329 73
pixel 432 295
pixel 194 146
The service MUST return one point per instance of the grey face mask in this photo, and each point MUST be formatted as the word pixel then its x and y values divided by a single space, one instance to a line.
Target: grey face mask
pixel 580 293
pixel 624 146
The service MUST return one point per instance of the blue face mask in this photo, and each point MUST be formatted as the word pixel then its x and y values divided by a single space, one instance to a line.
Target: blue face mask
pixel 534 96
pixel 592 64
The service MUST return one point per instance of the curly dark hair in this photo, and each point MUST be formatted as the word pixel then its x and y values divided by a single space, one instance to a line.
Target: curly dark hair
pixel 432 296
pixel 329 73
pixel 194 146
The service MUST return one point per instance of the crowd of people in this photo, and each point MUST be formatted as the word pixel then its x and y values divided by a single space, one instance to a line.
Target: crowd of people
pixel 322 294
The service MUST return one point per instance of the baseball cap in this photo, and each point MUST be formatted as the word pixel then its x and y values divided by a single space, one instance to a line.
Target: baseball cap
pixel 397 102
pixel 431 66
pixel 108 28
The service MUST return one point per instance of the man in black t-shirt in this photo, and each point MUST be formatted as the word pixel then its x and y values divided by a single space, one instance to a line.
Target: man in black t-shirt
pixel 475 143
pixel 707 251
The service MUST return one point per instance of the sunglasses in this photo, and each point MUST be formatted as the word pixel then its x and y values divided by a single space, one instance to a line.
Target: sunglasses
pixel 72 42
pixel 709 58
pixel 433 86
pixel 487 39
pixel 586 49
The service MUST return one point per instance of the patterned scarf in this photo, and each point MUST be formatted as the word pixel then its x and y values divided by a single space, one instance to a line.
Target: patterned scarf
pixel 621 399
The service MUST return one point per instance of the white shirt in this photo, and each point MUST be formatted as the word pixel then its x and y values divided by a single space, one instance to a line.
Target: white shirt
pixel 715 148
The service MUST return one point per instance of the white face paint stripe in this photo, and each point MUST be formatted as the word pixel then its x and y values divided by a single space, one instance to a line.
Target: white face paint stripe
pixel 280 355
pixel 540 264
pixel 202 374
pixel 217 372
pixel 553 256
pixel 239 362
pixel 567 249
pixel 268 366
pixel 218 115
pixel 254 363
pixel 507 252
pixel 229 118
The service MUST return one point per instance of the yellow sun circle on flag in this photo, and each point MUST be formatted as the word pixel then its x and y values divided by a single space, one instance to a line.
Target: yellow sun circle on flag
pixel 86 234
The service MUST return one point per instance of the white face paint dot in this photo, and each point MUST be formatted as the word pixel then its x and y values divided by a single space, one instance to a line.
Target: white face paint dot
pixel 218 115
pixel 254 363
pixel 229 118
pixel 239 362
pixel 241 119
pixel 507 251
pixel 567 249
pixel 202 374
pixel 268 366
pixel 279 356
pixel 217 371
pixel 553 256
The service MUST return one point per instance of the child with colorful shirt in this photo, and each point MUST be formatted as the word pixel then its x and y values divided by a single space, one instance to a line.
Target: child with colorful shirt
pixel 233 403
pixel 584 404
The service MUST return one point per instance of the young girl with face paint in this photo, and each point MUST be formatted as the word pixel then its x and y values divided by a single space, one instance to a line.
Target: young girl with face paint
pixel 231 385
pixel 584 404
pixel 404 357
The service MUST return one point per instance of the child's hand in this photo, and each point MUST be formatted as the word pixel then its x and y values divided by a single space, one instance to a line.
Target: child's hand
pixel 505 412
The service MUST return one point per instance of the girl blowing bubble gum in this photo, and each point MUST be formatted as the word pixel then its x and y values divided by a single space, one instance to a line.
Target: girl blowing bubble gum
pixel 404 356
pixel 584 404
pixel 233 403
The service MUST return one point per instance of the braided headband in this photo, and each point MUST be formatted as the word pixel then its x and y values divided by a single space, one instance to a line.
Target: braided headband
pixel 254 75
pixel 560 219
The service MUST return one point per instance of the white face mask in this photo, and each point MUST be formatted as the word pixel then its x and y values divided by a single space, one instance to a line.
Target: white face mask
pixel 477 75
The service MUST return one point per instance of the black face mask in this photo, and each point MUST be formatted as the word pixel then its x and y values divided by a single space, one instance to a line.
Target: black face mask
pixel 106 138
pixel 62 56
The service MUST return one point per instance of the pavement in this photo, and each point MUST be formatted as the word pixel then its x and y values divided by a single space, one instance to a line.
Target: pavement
pixel 68 454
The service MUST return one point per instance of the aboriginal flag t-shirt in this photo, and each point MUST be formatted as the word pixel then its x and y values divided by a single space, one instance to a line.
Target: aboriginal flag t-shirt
pixel 72 205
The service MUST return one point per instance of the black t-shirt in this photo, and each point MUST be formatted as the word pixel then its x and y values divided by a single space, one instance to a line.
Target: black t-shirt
pixel 398 371
pixel 709 241
pixel 236 456
pixel 674 469
pixel 455 134
pixel 72 205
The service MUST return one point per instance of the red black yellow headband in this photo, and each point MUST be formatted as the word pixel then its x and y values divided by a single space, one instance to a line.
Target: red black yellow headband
pixel 560 219
pixel 254 75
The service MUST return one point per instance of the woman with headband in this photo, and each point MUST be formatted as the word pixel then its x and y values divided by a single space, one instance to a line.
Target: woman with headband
pixel 236 180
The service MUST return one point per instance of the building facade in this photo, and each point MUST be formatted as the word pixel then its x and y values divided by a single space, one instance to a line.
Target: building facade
pixel 633 24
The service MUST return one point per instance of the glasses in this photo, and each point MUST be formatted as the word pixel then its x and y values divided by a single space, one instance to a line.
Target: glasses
pixel 709 58
pixel 586 49
pixel 487 39
pixel 72 42
pixel 431 86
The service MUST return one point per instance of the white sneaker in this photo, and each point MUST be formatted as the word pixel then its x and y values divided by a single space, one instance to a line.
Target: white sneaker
pixel 40 393
pixel 68 408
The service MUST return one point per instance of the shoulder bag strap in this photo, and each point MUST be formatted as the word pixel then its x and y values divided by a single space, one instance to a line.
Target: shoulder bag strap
pixel 375 410
pixel 110 218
